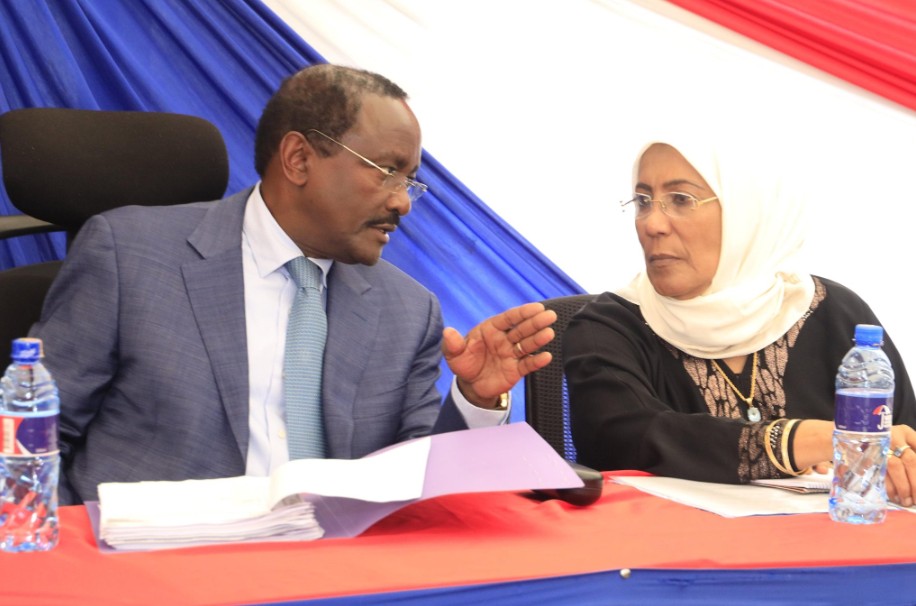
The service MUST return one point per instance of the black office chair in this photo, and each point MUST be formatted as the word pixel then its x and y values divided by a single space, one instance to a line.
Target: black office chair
pixel 546 398
pixel 61 166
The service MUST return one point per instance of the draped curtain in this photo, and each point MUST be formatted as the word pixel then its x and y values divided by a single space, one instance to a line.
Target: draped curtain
pixel 216 59
pixel 540 108
pixel 221 60
pixel 870 43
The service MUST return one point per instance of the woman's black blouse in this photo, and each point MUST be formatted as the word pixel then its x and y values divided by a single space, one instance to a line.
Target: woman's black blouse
pixel 636 402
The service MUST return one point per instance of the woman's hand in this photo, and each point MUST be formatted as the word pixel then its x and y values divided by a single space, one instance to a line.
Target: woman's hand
pixel 813 445
pixel 901 466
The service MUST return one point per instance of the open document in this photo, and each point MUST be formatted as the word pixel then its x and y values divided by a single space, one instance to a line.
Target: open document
pixel 730 500
pixel 313 498
pixel 808 493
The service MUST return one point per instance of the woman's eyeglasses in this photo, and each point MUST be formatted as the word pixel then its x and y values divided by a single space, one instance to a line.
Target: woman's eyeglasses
pixel 675 204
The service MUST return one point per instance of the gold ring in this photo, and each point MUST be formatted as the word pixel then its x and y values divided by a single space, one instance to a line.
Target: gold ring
pixel 518 348
pixel 898 452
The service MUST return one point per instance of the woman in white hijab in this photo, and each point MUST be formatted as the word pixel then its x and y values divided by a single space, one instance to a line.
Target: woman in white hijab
pixel 717 363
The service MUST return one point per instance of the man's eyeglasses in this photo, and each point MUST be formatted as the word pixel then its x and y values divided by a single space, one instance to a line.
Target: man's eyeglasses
pixel 675 204
pixel 393 180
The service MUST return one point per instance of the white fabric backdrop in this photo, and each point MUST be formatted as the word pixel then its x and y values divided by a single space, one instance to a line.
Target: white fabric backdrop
pixel 539 107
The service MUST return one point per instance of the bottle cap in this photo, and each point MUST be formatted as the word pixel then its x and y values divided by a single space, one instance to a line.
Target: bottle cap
pixel 869 335
pixel 27 350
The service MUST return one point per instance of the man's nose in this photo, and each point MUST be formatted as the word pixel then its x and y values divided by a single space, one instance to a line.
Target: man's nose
pixel 399 201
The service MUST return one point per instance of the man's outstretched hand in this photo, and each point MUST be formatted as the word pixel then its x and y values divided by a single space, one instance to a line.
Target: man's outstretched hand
pixel 498 352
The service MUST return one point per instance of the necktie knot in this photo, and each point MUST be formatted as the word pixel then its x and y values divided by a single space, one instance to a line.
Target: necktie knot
pixel 304 273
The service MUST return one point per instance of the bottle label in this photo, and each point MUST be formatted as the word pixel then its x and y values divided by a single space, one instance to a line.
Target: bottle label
pixel 31 435
pixel 864 411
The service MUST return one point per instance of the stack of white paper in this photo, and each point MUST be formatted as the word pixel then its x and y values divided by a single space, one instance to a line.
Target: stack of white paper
pixel 808 483
pixel 150 515
pixel 198 512
pixel 310 498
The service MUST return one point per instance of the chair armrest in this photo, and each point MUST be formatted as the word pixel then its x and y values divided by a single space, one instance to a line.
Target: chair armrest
pixel 23 225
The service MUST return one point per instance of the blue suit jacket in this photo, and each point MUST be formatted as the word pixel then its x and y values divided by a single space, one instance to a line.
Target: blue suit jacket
pixel 144 330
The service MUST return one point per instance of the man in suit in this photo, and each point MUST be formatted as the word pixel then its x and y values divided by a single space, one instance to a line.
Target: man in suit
pixel 166 326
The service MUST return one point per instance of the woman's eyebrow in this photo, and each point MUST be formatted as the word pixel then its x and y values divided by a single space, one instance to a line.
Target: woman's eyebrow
pixel 669 184
pixel 679 182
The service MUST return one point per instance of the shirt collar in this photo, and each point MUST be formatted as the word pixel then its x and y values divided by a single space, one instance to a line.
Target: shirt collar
pixel 271 247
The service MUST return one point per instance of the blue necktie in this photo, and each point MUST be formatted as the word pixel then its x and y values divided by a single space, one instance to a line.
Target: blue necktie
pixel 302 364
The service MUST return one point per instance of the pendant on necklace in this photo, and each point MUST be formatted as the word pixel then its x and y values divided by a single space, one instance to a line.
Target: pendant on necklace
pixel 753 415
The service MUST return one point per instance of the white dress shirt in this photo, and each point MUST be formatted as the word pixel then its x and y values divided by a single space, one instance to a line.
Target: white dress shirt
pixel 269 293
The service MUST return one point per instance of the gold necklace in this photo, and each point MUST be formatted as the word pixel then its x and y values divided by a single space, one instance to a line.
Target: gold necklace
pixel 753 414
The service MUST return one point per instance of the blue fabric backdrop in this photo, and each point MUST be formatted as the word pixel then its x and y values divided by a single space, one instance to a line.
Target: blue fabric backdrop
pixel 221 60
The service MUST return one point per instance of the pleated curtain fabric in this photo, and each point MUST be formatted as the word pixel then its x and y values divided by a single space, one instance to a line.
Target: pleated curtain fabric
pixel 306 335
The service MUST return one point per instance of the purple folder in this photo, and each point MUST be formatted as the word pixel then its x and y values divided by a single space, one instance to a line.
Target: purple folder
pixel 507 457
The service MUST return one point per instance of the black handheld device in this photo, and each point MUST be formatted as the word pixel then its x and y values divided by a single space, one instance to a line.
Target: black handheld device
pixel 584 495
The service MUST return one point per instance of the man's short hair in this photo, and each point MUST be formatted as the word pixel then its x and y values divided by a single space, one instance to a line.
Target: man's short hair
pixel 322 97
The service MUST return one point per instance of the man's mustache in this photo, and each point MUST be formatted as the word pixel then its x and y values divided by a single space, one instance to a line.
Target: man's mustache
pixel 393 219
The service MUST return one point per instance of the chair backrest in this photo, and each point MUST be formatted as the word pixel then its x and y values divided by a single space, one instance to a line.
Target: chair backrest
pixel 65 165
pixel 546 398
pixel 61 166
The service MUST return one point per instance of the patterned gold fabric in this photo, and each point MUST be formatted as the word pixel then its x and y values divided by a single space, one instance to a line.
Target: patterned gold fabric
pixel 768 397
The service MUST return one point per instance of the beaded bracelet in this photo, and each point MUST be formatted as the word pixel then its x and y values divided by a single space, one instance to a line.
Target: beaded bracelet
pixel 776 440
pixel 774 430
pixel 777 434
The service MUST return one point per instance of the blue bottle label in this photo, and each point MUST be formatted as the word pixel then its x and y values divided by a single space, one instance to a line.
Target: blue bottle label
pixel 863 411
pixel 31 435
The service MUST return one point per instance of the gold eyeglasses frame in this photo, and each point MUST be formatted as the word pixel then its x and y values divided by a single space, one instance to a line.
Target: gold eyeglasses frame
pixel 643 204
pixel 393 181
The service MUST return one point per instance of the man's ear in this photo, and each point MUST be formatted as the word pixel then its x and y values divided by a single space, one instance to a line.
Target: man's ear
pixel 296 156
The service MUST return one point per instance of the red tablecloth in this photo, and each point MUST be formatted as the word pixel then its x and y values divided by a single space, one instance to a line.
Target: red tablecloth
pixel 454 540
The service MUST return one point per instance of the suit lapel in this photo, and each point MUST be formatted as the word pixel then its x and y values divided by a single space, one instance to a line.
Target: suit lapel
pixel 353 318
pixel 215 285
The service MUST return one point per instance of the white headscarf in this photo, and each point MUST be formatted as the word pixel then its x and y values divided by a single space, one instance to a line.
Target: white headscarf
pixel 758 293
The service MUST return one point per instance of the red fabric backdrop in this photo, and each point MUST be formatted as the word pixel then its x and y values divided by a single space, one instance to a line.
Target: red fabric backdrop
pixel 870 43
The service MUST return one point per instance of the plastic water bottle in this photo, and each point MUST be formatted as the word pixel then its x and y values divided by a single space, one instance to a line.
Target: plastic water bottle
pixel 861 438
pixel 29 456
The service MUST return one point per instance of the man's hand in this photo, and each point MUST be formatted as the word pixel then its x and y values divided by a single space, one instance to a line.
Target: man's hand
pixel 498 352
